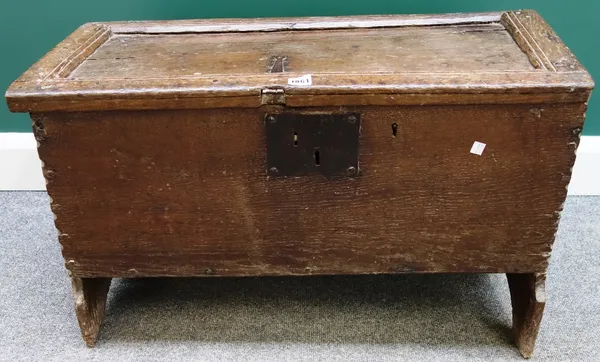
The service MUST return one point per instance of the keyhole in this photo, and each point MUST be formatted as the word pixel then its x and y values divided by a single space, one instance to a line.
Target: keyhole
pixel 317 158
pixel 295 138
pixel 394 129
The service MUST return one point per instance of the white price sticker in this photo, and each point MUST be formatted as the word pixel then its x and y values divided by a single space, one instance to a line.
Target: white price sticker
pixel 303 80
pixel 477 148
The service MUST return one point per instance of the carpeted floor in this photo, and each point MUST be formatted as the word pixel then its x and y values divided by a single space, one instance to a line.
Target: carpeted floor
pixel 370 318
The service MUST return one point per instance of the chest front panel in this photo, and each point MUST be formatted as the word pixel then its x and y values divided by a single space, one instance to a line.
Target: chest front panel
pixel 142 193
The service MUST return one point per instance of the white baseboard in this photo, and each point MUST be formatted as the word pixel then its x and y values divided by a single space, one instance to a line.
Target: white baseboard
pixel 586 172
pixel 20 167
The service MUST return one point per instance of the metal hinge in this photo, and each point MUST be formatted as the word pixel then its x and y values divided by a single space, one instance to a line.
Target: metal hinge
pixel 273 96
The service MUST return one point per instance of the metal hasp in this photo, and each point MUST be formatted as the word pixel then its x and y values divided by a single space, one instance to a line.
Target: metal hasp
pixel 300 144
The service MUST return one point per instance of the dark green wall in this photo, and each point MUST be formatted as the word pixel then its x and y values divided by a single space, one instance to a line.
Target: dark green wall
pixel 30 28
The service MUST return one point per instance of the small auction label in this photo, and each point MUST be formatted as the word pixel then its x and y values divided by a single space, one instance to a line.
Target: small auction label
pixel 303 80
pixel 477 148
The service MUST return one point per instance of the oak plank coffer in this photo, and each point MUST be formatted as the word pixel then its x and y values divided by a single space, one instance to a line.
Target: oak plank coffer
pixel 308 146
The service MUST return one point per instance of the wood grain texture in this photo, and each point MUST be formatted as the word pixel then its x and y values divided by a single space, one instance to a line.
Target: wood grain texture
pixel 457 48
pixel 528 296
pixel 540 42
pixel 90 302
pixel 70 48
pixel 190 64
pixel 186 192
pixel 304 100
pixel 246 92
pixel 299 23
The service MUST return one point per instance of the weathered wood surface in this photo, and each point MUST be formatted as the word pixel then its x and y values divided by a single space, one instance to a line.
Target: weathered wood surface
pixel 113 66
pixel 528 296
pixel 90 302
pixel 299 23
pixel 405 89
pixel 540 42
pixel 457 48
pixel 186 192
pixel 73 47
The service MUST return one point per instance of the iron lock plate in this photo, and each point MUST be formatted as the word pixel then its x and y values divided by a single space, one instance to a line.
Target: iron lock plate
pixel 300 144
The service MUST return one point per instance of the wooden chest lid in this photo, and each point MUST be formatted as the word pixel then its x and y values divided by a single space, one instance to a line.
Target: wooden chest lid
pixel 380 60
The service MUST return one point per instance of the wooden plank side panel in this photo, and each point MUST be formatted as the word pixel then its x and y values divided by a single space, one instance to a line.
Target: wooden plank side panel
pixel 185 193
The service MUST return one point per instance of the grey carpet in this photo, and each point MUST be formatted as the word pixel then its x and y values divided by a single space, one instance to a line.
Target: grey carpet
pixel 367 318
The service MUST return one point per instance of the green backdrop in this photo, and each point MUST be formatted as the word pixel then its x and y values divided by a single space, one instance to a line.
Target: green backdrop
pixel 29 28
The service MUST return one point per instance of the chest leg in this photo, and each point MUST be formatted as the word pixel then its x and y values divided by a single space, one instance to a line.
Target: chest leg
pixel 90 301
pixel 528 296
